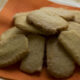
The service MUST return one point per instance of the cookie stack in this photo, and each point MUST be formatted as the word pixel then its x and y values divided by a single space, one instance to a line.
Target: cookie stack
pixel 53 32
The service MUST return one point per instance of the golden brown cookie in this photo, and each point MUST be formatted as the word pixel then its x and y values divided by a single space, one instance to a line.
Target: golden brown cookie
pixel 71 42
pixel 77 17
pixel 59 64
pixel 11 32
pixel 21 23
pixel 47 24
pixel 74 26
pixel 66 14
pixel 13 50
pixel 34 61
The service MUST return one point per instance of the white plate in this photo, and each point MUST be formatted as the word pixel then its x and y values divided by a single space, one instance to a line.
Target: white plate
pixel 73 3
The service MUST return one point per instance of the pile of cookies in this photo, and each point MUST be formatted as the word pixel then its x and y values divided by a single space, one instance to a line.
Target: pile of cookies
pixel 53 32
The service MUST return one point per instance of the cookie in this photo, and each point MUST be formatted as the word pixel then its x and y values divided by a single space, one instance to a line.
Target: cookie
pixel 13 50
pixel 34 61
pixel 11 32
pixel 21 23
pixel 47 24
pixel 77 17
pixel 66 14
pixel 71 42
pixel 59 64
pixel 74 26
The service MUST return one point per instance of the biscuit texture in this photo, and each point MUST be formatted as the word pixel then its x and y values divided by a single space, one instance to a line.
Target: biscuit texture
pixel 13 50
pixel 11 32
pixel 34 61
pixel 59 64
pixel 74 26
pixel 66 14
pixel 46 23
pixel 77 17
pixel 71 42
pixel 21 23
